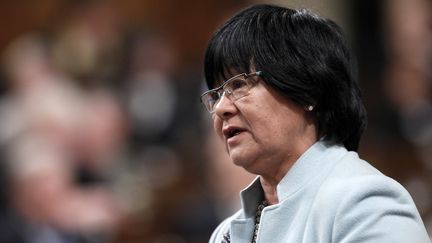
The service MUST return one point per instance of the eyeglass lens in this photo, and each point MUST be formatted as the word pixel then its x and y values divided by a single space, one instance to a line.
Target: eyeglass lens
pixel 235 88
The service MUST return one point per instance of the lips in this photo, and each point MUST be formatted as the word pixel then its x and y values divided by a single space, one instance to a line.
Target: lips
pixel 232 131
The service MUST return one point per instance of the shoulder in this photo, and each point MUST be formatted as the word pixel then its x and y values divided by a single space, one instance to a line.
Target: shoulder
pixel 354 189
pixel 352 180
pixel 368 205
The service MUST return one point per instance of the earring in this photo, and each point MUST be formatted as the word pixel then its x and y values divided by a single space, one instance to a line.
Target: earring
pixel 310 108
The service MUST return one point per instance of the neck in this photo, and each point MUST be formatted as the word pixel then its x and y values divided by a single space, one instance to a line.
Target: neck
pixel 270 179
pixel 270 192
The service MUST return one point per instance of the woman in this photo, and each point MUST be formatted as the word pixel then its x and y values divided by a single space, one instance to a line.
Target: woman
pixel 290 111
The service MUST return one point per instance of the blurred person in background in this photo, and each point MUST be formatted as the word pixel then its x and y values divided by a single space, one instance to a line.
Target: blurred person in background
pixel 51 133
pixel 52 207
pixel 149 91
pixel 88 43
pixel 286 103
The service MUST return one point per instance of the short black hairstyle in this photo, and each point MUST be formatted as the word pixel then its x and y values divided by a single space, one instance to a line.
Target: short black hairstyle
pixel 301 55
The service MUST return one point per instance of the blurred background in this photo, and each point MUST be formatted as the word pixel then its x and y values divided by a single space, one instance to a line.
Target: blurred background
pixel 103 138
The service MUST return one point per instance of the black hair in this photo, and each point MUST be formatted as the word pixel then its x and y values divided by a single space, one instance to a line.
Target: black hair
pixel 301 55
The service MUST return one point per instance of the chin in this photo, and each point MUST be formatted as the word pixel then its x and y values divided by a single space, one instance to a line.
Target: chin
pixel 237 160
pixel 241 162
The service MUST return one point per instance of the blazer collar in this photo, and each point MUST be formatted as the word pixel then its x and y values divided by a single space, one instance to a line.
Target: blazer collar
pixel 312 164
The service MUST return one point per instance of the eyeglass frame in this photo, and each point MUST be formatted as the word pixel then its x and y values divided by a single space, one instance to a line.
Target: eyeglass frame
pixel 224 84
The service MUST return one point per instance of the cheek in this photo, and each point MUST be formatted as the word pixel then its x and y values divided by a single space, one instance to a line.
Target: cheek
pixel 217 125
pixel 270 132
pixel 273 126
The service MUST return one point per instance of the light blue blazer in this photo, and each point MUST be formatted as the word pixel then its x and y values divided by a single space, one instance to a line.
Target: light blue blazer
pixel 329 196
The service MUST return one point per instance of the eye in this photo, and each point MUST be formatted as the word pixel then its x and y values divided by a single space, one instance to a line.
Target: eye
pixel 210 98
pixel 237 84
pixel 214 96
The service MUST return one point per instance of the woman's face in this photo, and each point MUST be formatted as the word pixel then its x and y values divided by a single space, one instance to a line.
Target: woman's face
pixel 264 132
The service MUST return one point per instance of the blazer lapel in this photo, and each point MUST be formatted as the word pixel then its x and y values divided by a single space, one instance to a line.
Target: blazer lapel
pixel 242 230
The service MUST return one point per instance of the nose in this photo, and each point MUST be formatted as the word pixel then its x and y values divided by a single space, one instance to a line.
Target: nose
pixel 225 108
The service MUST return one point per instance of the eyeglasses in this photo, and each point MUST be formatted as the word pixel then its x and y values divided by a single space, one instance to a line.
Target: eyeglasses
pixel 234 88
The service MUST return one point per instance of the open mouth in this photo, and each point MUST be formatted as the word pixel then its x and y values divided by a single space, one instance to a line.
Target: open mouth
pixel 233 131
